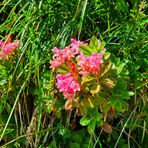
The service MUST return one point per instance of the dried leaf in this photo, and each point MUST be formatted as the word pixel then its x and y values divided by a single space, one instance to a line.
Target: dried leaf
pixel 107 128
pixel 68 104
pixel 108 83
pixel 73 124
pixel 111 113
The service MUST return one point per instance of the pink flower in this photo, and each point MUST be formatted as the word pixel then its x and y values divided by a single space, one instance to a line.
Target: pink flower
pixel 7 48
pixel 60 56
pixel 89 64
pixel 66 54
pixel 67 84
pixel 75 46
pixel 1 44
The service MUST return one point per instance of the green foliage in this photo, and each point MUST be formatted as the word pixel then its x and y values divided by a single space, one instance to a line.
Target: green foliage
pixel 93 46
pixel 31 108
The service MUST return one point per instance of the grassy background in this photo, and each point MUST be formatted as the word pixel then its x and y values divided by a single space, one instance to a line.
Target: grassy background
pixel 26 81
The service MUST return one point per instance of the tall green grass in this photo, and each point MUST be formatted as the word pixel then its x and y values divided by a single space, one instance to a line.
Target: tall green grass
pixel 27 82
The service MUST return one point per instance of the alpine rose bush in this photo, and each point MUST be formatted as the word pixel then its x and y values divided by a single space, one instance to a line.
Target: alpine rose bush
pixel 85 77
pixel 7 47
pixel 78 66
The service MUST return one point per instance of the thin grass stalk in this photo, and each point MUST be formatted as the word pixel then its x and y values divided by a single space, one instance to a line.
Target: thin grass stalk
pixel 97 141
pixel 130 137
pixel 82 17
pixel 14 105
pixel 124 127
pixel 13 9
pixel 4 5
pixel 29 134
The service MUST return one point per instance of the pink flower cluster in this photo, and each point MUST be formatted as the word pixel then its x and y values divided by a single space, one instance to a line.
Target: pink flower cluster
pixel 60 56
pixel 67 84
pixel 7 48
pixel 89 64
pixel 75 46
pixel 78 64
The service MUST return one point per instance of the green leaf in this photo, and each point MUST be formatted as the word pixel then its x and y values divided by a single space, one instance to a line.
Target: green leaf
pixel 131 93
pixel 106 55
pixel 105 107
pixel 85 121
pixel 62 69
pixel 87 79
pixel 106 68
pixel 86 50
pixel 99 123
pixel 93 42
pixel 120 87
pixel 95 91
pixel 91 126
pixel 52 144
pixel 119 104
pixel 74 145
pixel 77 137
pixel 95 45
pixel 102 45
pixel 120 68
pixel 124 95
pixel 98 116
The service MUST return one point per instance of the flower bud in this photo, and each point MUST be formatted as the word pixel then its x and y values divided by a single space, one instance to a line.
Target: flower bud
pixel 108 83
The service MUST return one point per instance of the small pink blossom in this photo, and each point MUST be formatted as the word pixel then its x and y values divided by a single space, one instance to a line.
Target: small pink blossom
pixel 7 48
pixel 1 44
pixel 89 64
pixel 66 54
pixel 60 56
pixel 75 46
pixel 67 84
